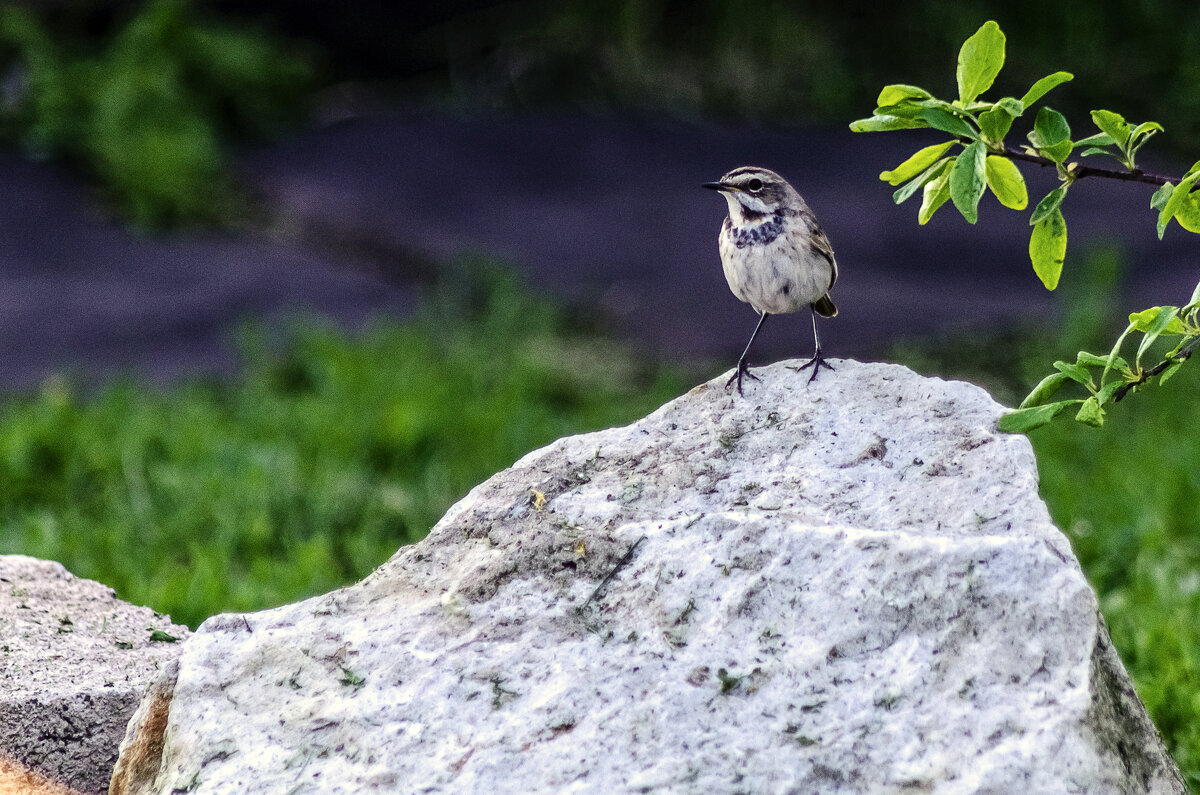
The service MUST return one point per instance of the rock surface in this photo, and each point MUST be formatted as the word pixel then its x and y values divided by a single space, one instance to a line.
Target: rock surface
pixel 851 586
pixel 74 662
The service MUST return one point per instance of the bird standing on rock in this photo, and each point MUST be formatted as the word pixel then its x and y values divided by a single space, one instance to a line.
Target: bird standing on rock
pixel 775 256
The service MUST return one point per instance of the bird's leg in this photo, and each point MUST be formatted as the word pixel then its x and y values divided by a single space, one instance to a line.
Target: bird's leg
pixel 818 359
pixel 743 369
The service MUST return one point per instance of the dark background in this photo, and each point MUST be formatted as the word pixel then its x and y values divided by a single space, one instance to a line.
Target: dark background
pixel 568 139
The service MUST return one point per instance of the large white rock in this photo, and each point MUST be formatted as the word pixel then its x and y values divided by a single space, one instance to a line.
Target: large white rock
pixel 844 587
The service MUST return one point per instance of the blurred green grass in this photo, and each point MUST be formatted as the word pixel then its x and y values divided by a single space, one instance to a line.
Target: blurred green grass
pixel 313 467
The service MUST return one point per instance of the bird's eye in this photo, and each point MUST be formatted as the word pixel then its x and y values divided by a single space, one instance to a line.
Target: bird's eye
pixel 754 185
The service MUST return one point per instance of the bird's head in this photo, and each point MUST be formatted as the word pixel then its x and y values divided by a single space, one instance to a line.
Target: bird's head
pixel 752 191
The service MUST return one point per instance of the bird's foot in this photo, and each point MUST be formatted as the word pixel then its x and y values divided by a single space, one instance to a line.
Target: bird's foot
pixel 743 370
pixel 816 363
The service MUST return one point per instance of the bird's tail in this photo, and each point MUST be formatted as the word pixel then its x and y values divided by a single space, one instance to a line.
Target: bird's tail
pixel 825 307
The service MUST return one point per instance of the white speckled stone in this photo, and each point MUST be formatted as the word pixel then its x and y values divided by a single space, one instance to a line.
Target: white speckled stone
pixel 74 660
pixel 848 587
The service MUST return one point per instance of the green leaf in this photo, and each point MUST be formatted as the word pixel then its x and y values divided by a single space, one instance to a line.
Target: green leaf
pixel 937 193
pixel 1093 360
pixel 1049 203
pixel 1155 321
pixel 1058 152
pixel 1025 420
pixel 942 119
pixel 1090 413
pixel 1146 128
pixel 1161 196
pixel 1099 139
pixel 973 107
pixel 1048 248
pixel 934 102
pixel 967 180
pixel 1175 201
pixel 898 92
pixel 1140 135
pixel 1113 358
pixel 1010 105
pixel 1188 214
pixel 1052 135
pixel 1195 299
pixel 882 123
pixel 908 109
pixel 1170 370
pixel 1113 125
pixel 1074 371
pixel 1039 89
pixel 995 123
pixel 903 193
pixel 1147 318
pixel 1108 390
pixel 979 61
pixel 1096 150
pixel 1051 127
pixel 1184 339
pixel 918 162
pixel 1044 390
pixel 1005 181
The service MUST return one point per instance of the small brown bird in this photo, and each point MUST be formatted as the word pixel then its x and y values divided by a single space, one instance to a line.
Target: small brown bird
pixel 775 256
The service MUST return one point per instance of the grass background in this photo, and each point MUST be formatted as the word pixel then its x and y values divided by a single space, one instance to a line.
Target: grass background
pixel 312 468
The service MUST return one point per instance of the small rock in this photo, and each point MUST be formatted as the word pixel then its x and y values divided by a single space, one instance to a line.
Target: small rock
pixel 74 662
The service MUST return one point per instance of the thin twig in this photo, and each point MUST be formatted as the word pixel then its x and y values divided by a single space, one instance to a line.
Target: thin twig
pixel 1184 352
pixel 1082 171
pixel 624 561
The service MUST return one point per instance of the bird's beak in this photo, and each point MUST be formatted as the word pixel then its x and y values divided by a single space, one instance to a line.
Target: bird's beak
pixel 718 186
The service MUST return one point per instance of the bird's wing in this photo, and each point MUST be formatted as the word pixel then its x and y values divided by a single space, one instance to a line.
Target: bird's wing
pixel 821 245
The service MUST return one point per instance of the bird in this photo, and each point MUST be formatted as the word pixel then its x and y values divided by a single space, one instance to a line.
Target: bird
pixel 775 255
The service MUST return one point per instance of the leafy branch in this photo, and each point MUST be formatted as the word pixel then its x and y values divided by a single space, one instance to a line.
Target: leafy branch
pixel 1117 377
pixel 1136 175
pixel 984 161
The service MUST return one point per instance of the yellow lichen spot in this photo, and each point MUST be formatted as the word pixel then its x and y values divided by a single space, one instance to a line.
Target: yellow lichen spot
pixel 580 549
pixel 539 500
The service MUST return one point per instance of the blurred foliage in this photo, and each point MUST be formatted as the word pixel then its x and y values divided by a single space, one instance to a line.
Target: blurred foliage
pixel 146 102
pixel 146 107
pixel 782 60
pixel 311 469
pixel 1128 498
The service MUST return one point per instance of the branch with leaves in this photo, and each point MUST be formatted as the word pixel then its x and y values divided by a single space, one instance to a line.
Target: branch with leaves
pixel 983 161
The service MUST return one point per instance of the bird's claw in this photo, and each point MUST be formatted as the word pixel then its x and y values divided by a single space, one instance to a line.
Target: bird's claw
pixel 816 363
pixel 743 371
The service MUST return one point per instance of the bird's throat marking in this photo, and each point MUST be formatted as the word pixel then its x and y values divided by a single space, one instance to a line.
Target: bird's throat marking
pixel 757 235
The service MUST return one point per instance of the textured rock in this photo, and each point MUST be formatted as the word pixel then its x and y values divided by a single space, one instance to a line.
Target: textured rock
pixel 844 587
pixel 16 779
pixel 74 662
